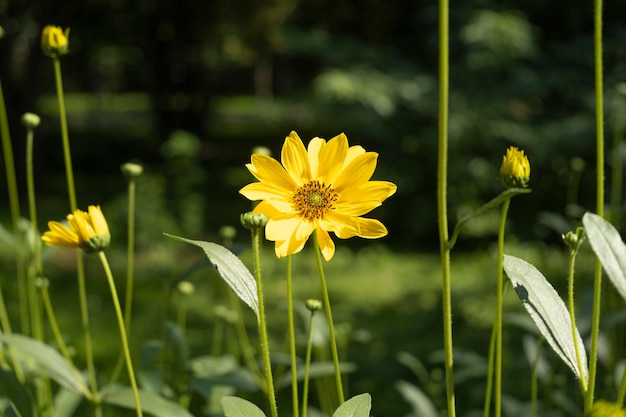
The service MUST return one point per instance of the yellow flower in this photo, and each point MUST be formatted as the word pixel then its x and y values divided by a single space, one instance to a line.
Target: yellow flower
pixel 87 230
pixel 606 409
pixel 54 41
pixel 324 188
pixel 515 168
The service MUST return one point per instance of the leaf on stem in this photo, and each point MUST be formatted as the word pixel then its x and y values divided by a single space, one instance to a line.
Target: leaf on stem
pixel 357 406
pixel 238 407
pixel 231 269
pixel 609 248
pixel 548 311
pixel 151 403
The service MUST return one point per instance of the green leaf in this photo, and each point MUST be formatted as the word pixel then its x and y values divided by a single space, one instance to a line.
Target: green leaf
pixel 316 370
pixel 357 406
pixel 231 269
pixel 238 407
pixel 547 310
pixel 419 402
pixel 153 404
pixel 609 248
pixel 17 394
pixel 47 359
pixel 65 403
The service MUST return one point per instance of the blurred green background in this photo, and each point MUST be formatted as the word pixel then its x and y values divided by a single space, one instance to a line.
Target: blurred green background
pixel 189 88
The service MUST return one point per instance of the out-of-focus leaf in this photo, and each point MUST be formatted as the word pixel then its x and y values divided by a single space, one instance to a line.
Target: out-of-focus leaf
pixel 420 404
pixel 47 359
pixel 316 370
pixel 357 406
pixel 17 394
pixel 231 269
pixel 238 407
pixel 65 403
pixel 153 404
pixel 548 311
pixel 609 248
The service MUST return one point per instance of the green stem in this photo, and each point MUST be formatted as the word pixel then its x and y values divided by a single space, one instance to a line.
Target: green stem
pixel 534 380
pixel 61 343
pixel 292 341
pixel 622 389
pixel 256 249
pixel 500 291
pixel 442 210
pixel 244 341
pixel 14 205
pixel 572 313
pixel 122 329
pixel 489 387
pixel 329 316
pixel 130 255
pixel 84 313
pixel 597 285
pixel 307 366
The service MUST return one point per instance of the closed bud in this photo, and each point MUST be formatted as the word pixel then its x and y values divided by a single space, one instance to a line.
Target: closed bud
pixel 313 305
pixel 30 120
pixel 573 240
pixel 132 170
pixel 515 169
pixel 252 220
pixel 55 41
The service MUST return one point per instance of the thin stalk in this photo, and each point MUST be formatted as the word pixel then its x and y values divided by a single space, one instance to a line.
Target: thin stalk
pixel 500 291
pixel 489 387
pixel 442 209
pixel 534 379
pixel 572 314
pixel 597 284
pixel 329 316
pixel 122 329
pixel 292 341
pixel 256 249
pixel 14 205
pixel 244 341
pixel 307 366
pixel 622 389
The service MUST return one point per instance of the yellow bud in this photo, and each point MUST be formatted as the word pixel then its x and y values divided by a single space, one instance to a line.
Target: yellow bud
pixel 515 169
pixel 54 41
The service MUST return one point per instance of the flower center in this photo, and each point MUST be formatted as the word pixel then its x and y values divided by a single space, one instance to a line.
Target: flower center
pixel 313 200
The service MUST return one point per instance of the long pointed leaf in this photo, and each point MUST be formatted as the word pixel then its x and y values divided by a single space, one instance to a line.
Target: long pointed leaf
pixel 357 406
pixel 231 269
pixel 47 359
pixel 609 248
pixel 548 311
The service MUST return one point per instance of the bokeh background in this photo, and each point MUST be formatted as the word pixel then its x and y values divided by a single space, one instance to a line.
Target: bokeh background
pixel 189 88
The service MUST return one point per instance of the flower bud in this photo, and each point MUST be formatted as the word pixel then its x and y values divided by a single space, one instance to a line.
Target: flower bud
pixel 515 169
pixel 186 288
pixel 54 41
pixel 30 120
pixel 573 240
pixel 228 232
pixel 313 305
pixel 132 170
pixel 252 220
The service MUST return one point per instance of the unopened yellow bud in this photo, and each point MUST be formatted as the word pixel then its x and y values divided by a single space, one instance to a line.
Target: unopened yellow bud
pixel 515 169
pixel 54 41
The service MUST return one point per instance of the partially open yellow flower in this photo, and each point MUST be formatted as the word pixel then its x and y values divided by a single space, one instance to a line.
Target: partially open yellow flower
pixel 324 188
pixel 54 41
pixel 606 409
pixel 515 168
pixel 87 230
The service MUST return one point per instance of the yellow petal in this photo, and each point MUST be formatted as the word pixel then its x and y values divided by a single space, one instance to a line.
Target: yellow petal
pixel 331 158
pixel 60 235
pixel 295 159
pixel 371 190
pixel 358 172
pixel 281 229
pixel 262 190
pixel 269 170
pixel 356 208
pixel 98 221
pixel 314 148
pixel 327 246
pixel 276 209
pixel 349 226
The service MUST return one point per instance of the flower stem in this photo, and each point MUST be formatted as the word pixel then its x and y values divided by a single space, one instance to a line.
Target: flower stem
pixel 329 316
pixel 307 366
pixel 292 341
pixel 533 379
pixel 122 329
pixel 572 314
pixel 489 387
pixel 499 295
pixel 256 249
pixel 597 284
pixel 442 210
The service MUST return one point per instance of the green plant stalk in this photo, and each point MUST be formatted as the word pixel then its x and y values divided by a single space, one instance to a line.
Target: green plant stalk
pixel 292 341
pixel 256 249
pixel 244 341
pixel 533 379
pixel 597 284
pixel 329 316
pixel 572 314
pixel 45 296
pixel 307 366
pixel 218 337
pixel 122 329
pixel 489 387
pixel 622 390
pixel 442 210
pixel 14 205
pixel 500 291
